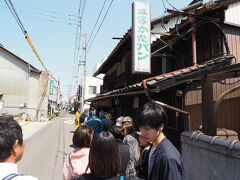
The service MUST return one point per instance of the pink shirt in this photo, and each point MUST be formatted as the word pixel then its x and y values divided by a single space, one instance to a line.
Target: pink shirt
pixel 79 161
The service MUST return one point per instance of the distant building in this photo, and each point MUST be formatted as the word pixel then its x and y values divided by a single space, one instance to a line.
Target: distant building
pixel 25 90
pixel 93 86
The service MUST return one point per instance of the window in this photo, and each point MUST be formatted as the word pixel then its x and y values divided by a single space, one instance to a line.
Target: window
pixel 92 89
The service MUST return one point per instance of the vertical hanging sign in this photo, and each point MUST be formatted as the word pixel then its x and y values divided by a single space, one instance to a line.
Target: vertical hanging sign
pixel 51 89
pixel 141 42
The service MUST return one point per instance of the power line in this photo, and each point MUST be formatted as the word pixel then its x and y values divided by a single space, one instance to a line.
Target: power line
pixel 43 19
pixel 44 10
pixel 37 15
pixel 77 39
pixel 91 33
pixel 100 25
pixel 97 20
pixel 95 33
pixel 15 15
pixel 171 5
pixel 78 35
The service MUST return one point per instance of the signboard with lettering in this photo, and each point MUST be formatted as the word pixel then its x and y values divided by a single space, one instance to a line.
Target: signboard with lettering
pixel 51 89
pixel 141 42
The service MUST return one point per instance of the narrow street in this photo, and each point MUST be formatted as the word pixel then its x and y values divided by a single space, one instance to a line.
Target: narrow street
pixel 46 150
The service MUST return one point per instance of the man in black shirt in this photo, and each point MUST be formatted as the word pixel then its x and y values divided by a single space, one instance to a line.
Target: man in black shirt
pixel 164 160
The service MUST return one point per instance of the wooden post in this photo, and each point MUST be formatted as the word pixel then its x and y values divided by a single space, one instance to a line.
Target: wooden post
pixel 209 126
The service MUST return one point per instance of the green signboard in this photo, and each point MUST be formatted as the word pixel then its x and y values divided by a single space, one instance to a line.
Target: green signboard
pixel 51 87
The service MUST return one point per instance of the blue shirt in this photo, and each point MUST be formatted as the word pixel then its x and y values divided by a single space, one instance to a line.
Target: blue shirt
pixel 95 123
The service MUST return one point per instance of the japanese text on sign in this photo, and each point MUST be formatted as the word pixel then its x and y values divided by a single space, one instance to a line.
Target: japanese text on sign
pixel 141 38
pixel 51 87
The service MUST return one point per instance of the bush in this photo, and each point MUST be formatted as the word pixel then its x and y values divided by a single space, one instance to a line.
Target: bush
pixel 50 117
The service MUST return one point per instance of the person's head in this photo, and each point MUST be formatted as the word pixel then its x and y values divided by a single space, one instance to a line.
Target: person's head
pixel 128 128
pixel 104 157
pixel 119 121
pixel 79 109
pixel 108 116
pixel 151 120
pixel 92 112
pixel 117 132
pixel 82 136
pixel 142 141
pixel 11 140
pixel 112 114
pixel 127 125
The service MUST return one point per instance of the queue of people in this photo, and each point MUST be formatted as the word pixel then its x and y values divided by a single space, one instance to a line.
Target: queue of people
pixel 106 148
pixel 130 154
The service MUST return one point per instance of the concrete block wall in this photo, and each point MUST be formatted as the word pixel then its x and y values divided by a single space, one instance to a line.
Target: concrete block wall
pixel 210 158
pixel 19 86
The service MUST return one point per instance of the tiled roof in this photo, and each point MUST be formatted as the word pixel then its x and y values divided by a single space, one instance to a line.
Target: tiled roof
pixel 178 75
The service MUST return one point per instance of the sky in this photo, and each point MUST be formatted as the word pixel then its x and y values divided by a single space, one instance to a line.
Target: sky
pixel 47 23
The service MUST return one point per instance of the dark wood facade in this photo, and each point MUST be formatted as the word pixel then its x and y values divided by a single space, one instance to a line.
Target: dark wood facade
pixel 178 55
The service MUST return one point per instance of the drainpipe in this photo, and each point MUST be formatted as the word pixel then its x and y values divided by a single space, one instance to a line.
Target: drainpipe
pixel 220 100
pixel 177 110
pixel 194 42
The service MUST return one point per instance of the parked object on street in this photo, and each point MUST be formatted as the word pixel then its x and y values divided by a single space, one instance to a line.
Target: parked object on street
pixel 77 161
pixel 11 150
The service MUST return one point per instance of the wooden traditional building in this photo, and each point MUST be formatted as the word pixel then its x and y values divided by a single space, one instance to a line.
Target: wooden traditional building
pixel 192 66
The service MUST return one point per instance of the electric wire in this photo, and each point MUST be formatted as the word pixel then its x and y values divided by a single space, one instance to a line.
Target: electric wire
pixel 171 5
pixel 48 15
pixel 97 21
pixel 78 35
pixel 44 10
pixel 77 39
pixel 43 19
pixel 15 15
pixel 80 59
pixel 100 26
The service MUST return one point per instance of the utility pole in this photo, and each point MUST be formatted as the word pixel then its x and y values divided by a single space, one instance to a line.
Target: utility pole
pixel 84 71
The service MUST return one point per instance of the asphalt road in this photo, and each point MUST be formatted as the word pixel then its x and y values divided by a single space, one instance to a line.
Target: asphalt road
pixel 46 150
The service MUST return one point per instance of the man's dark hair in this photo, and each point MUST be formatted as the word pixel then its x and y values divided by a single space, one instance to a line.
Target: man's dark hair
pixel 117 133
pixel 82 136
pixel 114 112
pixel 10 131
pixel 104 157
pixel 152 115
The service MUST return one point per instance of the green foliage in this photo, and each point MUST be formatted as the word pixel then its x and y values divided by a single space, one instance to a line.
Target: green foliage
pixel 50 117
